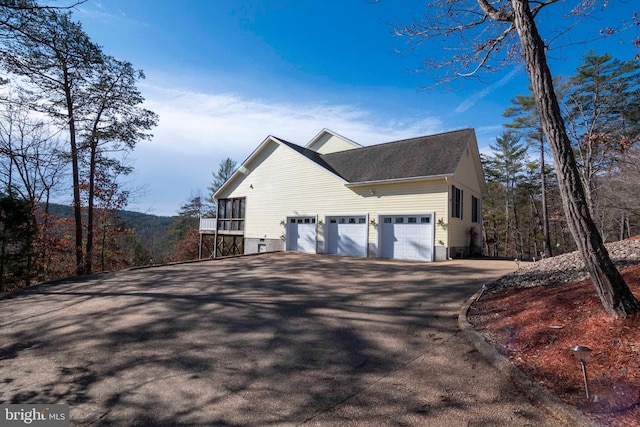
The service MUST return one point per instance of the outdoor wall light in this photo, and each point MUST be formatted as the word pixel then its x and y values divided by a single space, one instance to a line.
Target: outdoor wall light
pixel 373 222
pixel 583 355
pixel 372 191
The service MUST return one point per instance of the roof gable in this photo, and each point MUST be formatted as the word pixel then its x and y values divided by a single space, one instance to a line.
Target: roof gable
pixel 245 168
pixel 328 141
pixel 415 158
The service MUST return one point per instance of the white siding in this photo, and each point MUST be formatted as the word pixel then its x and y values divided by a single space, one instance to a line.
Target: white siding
pixel 466 179
pixel 280 182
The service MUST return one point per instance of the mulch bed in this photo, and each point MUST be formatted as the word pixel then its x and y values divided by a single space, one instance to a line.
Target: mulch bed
pixel 536 327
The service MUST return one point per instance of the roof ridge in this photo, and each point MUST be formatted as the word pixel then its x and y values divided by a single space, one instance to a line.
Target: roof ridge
pixel 422 136
pixel 400 140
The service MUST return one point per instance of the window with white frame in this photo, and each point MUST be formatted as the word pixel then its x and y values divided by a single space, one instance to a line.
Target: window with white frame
pixel 456 202
pixel 475 209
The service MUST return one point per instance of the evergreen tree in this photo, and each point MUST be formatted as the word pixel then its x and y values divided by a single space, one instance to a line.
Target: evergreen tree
pixel 183 230
pixel 17 234
pixel 526 123
pixel 226 168
pixel 508 165
pixel 603 116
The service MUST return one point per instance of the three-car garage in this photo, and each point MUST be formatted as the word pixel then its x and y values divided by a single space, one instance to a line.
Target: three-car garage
pixel 399 236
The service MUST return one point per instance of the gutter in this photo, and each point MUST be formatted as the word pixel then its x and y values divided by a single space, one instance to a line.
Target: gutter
pixel 395 180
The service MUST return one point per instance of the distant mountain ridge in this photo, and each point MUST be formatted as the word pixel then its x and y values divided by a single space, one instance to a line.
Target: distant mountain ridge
pixel 150 229
pixel 131 219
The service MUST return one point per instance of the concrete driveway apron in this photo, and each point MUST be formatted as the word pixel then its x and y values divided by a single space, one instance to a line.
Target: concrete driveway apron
pixel 275 339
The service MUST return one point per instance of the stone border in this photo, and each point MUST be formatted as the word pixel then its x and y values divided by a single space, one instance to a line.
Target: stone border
pixel 537 394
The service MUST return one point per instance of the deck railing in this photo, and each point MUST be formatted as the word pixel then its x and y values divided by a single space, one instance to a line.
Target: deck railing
pixel 207 225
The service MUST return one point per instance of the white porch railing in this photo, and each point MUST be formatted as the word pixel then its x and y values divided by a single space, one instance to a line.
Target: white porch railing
pixel 207 225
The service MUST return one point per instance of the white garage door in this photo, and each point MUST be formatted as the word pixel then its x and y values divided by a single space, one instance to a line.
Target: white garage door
pixel 301 235
pixel 407 237
pixel 347 235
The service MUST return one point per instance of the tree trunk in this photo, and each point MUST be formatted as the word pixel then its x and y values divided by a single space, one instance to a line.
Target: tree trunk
pixel 88 261
pixel 75 170
pixel 615 296
pixel 546 239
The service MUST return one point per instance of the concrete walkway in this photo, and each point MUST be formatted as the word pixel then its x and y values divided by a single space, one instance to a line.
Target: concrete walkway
pixel 276 339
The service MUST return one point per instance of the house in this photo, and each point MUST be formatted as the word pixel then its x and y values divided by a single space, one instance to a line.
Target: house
pixel 414 199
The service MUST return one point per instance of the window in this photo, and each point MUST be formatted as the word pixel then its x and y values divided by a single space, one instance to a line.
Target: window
pixel 387 220
pixel 413 220
pixel 332 221
pixel 352 220
pixel 399 220
pixel 456 202
pixel 362 220
pixel 425 220
pixel 231 215
pixel 474 209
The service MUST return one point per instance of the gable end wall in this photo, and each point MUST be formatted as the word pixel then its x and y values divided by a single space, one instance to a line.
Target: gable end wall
pixel 285 183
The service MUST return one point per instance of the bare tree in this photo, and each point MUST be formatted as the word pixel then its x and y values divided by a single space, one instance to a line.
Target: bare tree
pixel 488 34
pixel 31 166
pixel 115 123
pixel 94 96
pixel 31 159
pixel 59 60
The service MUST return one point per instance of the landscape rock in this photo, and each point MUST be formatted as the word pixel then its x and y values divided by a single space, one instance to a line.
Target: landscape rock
pixel 567 267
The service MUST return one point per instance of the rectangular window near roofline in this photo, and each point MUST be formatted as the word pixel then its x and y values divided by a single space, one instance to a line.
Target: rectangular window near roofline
pixel 456 202
pixel 475 208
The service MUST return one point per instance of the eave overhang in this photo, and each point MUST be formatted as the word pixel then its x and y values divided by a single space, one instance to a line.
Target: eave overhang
pixel 399 180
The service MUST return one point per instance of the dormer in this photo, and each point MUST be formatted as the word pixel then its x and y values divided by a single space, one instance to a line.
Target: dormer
pixel 330 142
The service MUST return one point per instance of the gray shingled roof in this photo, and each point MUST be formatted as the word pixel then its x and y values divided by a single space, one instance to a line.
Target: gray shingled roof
pixel 416 157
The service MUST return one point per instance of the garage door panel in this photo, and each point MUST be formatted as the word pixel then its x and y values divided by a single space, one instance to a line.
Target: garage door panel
pixel 347 238
pixel 301 236
pixel 407 237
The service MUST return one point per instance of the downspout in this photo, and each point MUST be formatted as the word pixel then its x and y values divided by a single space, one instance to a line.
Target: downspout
pixel 446 180
pixel 215 237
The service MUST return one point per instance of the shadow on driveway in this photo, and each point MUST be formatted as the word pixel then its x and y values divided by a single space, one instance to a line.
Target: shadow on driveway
pixel 276 339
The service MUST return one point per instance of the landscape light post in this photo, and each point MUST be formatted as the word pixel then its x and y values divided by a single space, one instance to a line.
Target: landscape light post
pixel 583 354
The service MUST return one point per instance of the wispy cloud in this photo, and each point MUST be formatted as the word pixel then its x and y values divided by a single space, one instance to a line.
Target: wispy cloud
pixel 107 15
pixel 197 130
pixel 471 100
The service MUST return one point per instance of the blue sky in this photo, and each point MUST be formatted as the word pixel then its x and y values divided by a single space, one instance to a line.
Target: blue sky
pixel 224 74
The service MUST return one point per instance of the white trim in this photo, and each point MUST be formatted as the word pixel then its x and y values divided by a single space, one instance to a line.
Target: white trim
pixel 329 131
pixel 241 168
pixel 302 215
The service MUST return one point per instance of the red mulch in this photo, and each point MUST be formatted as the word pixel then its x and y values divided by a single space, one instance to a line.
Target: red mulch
pixel 536 327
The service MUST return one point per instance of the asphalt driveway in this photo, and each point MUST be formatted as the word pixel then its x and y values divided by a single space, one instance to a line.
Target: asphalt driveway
pixel 275 339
